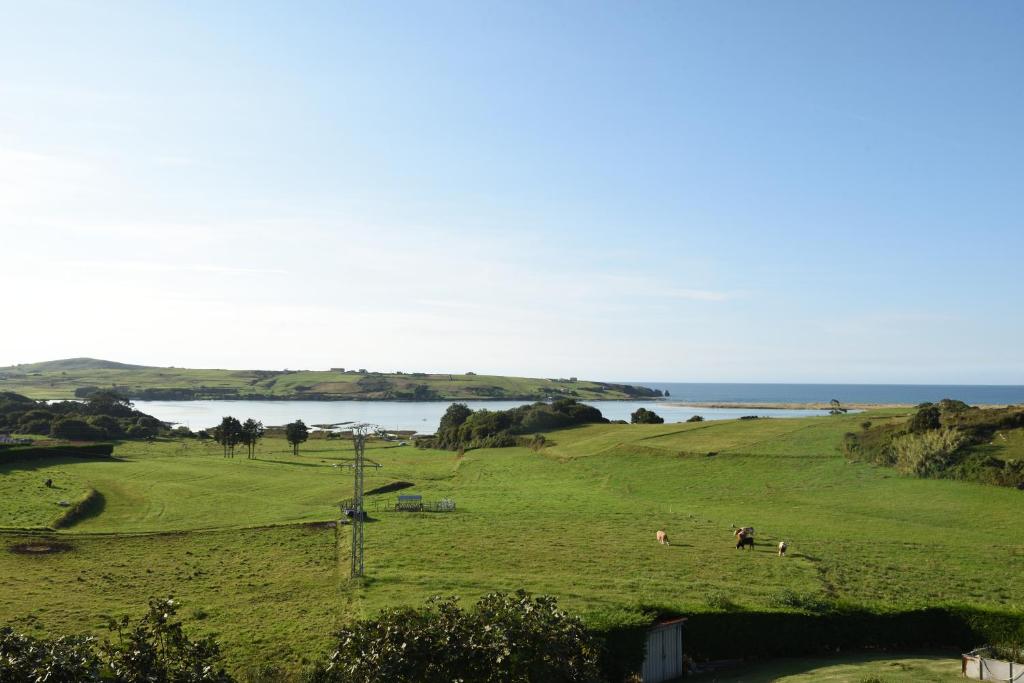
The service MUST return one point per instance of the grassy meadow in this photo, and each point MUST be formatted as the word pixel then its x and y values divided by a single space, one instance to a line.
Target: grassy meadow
pixel 60 379
pixel 243 542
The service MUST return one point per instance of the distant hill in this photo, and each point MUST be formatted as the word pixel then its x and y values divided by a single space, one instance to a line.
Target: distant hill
pixel 79 377
pixel 66 364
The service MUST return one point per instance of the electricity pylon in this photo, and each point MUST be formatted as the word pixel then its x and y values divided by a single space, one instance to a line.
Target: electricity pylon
pixel 359 434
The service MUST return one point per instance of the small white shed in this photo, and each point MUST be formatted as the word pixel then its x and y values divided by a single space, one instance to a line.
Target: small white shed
pixel 663 660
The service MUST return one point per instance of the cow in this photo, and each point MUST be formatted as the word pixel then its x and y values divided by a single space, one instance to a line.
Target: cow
pixel 662 537
pixel 743 540
pixel 49 483
pixel 782 548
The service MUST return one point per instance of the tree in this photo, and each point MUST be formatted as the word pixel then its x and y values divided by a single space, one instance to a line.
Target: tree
pixel 835 408
pixel 228 434
pixel 696 418
pixel 453 418
pixel 642 416
pixel 296 432
pixel 109 403
pixel 252 432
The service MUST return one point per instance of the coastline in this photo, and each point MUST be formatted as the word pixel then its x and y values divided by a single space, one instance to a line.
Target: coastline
pixel 763 405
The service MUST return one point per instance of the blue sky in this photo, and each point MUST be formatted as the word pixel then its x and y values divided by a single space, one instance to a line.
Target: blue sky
pixel 815 191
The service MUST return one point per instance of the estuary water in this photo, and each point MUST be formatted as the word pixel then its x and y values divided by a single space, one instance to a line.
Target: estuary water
pixel 421 416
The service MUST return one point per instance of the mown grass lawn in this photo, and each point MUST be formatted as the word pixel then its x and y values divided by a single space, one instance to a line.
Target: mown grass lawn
pixel 237 539
pixel 886 668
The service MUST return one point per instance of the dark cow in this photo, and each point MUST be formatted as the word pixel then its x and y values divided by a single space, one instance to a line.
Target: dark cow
pixel 743 540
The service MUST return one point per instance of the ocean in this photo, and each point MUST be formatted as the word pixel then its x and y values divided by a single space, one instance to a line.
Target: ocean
pixel 974 394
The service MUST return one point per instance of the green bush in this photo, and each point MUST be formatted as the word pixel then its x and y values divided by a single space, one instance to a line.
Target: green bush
pixel 463 428
pixel 642 416
pixel 503 638
pixel 92 450
pixel 153 649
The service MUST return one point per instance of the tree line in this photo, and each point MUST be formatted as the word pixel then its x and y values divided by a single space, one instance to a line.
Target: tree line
pixel 106 415
pixel 231 432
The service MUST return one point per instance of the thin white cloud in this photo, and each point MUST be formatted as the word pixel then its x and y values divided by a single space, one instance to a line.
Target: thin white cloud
pixel 151 266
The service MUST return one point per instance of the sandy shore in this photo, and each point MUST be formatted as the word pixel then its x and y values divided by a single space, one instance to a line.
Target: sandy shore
pixel 782 406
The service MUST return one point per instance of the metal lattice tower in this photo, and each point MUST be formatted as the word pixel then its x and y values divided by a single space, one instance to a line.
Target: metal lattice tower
pixel 358 465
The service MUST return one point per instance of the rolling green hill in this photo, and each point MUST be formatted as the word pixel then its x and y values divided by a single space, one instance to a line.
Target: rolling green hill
pixel 246 544
pixel 77 377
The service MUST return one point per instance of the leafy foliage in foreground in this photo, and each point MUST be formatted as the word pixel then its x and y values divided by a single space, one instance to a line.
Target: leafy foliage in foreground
pixel 155 648
pixel 462 427
pixel 948 439
pixel 503 638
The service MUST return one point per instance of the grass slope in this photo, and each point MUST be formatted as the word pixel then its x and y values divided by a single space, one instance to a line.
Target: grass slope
pixel 238 539
pixel 60 379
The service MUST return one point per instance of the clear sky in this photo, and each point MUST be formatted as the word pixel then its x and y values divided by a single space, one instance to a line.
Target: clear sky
pixel 680 191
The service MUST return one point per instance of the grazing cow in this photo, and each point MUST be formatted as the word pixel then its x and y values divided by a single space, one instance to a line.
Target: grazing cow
pixel 49 483
pixel 743 540
pixel 782 548
pixel 662 537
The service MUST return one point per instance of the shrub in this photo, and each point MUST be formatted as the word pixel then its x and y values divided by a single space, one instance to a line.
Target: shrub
pixel 926 418
pixel 928 452
pixel 108 426
pixel 503 638
pixel 155 648
pixel 642 416
pixel 696 418
pixel 92 450
pixel 67 658
pixel 464 428
pixel 74 429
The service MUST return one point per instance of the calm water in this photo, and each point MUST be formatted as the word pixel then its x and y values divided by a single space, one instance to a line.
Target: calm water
pixel 846 393
pixel 420 416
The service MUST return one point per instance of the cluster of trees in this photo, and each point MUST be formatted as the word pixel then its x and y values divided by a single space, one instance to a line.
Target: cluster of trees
pixel 948 439
pixel 231 433
pixel 105 415
pixel 642 416
pixel 504 637
pixel 462 427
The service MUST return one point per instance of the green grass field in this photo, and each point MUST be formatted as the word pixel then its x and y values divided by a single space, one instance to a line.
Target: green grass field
pixel 889 668
pixel 60 379
pixel 242 543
